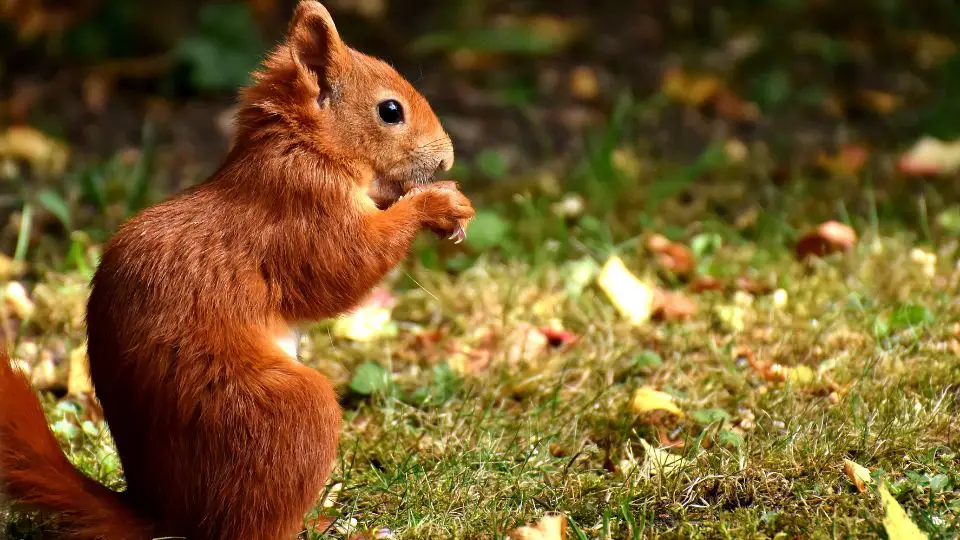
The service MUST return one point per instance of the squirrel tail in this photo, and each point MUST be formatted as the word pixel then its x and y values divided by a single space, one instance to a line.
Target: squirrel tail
pixel 36 475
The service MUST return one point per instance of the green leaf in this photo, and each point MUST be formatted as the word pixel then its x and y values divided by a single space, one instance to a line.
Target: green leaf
pixel 710 416
pixel 648 359
pixel 729 438
pixel 52 202
pixel 487 230
pixel 881 327
pixel 578 275
pixel 370 378
pixel 706 244
pixel 65 429
pixel 939 482
pixel 911 316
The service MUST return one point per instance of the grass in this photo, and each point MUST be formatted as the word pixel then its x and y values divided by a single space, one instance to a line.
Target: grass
pixel 439 450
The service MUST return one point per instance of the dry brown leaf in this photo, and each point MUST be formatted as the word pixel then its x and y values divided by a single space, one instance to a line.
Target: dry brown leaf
pixel 880 102
pixel 706 283
pixel 849 160
pixel 673 306
pixel 858 474
pixel 749 285
pixel 829 237
pixel 672 256
pixel 552 526
pixel 729 105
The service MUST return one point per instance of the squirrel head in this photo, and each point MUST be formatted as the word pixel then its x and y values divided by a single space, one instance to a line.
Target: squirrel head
pixel 317 95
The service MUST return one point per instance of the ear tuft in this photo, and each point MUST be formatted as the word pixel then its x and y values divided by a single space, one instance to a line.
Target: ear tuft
pixel 315 43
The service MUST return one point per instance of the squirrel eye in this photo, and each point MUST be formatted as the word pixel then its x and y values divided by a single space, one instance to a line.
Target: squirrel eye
pixel 390 111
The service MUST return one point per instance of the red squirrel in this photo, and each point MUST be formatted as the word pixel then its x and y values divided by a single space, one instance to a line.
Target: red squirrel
pixel 221 434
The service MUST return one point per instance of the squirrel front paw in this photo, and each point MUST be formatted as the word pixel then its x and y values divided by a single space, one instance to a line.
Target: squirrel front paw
pixel 443 209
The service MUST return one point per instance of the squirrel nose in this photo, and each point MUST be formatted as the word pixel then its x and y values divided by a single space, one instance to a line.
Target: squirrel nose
pixel 446 160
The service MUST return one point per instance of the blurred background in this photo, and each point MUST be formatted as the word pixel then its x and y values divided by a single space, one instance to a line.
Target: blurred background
pixel 571 119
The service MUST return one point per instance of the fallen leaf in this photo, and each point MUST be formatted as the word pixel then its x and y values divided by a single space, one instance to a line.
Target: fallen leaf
pixel 880 102
pixel 657 461
pixel 15 296
pixel 552 526
pixel 673 306
pixel 646 399
pixel 858 474
pixel 749 285
pixel 735 150
pixel 584 84
pixel 45 376
pixel 895 519
pixel 849 160
pixel 370 321
pixel 929 157
pixel 632 297
pixel 830 237
pixel 672 256
pixel 931 50
pixel 729 105
pixel 43 153
pixel 690 89
pixel 706 283
pixel 559 338
pixel 78 376
pixel 525 344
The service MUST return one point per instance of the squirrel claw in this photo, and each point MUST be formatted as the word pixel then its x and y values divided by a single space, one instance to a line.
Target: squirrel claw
pixel 460 234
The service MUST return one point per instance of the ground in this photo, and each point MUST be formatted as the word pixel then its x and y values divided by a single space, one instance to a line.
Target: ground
pixel 505 381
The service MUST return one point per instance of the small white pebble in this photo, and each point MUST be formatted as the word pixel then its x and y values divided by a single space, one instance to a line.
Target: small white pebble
pixel 570 206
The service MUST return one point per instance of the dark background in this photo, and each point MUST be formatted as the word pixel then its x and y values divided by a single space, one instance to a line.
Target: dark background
pixel 541 97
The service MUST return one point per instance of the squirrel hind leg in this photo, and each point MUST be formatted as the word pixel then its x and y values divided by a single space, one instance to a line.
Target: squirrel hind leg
pixel 266 445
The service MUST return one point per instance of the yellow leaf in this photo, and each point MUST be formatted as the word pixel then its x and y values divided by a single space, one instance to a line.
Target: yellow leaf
pixel 895 519
pixel 552 526
pixel 78 378
pixel 16 297
pixel 370 321
pixel 42 152
pixel 632 297
pixel 646 399
pixel 659 461
pixel 583 83
pixel 800 375
pixel 858 474
pixel 690 89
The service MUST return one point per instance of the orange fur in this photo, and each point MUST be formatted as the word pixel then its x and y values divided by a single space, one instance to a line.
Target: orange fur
pixel 220 434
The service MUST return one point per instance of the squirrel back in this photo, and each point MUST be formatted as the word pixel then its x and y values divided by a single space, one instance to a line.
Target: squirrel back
pixel 220 432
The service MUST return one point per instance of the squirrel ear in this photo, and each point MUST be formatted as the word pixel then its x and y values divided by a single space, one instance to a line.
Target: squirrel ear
pixel 315 43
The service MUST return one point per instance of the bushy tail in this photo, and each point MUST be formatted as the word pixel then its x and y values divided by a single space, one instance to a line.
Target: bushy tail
pixel 35 474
